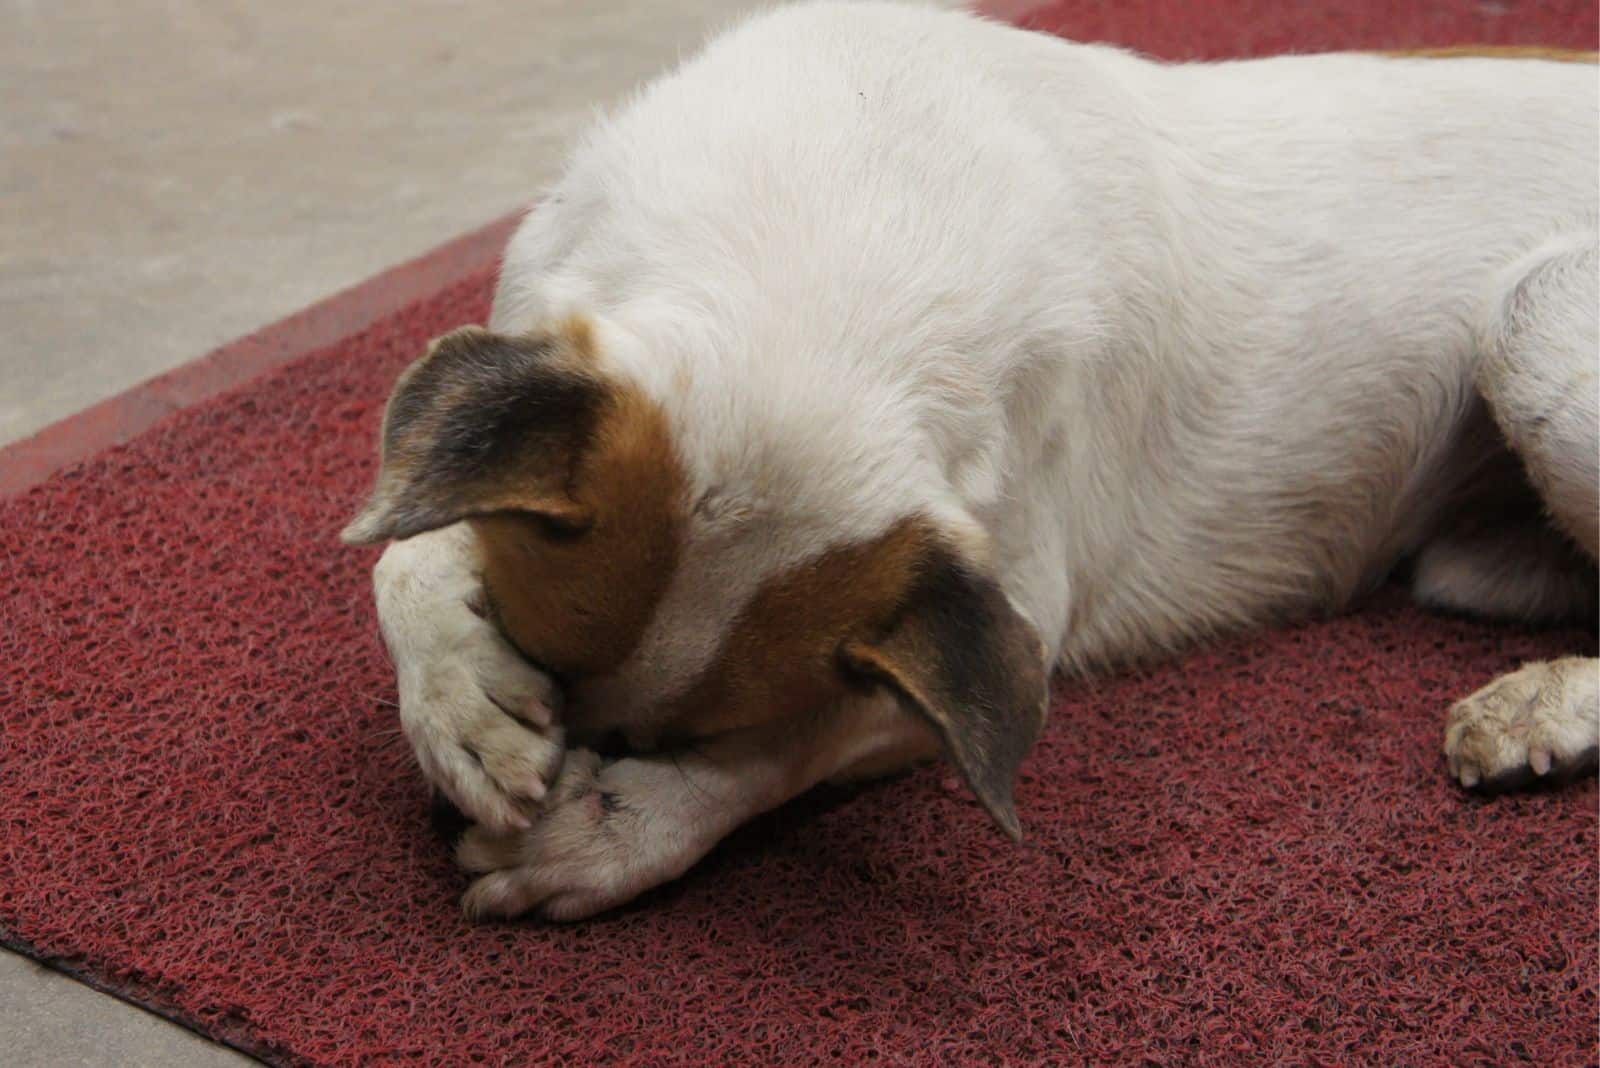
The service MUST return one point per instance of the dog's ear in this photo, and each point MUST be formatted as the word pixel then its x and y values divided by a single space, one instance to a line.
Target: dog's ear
pixel 484 424
pixel 958 654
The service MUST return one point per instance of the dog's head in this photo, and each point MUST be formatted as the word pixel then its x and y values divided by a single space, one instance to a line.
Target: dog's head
pixel 687 601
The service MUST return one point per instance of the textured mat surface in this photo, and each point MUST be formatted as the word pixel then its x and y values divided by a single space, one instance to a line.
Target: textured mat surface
pixel 1251 852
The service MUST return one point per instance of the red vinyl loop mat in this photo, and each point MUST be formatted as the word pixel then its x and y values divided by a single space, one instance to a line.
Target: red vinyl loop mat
pixel 1252 853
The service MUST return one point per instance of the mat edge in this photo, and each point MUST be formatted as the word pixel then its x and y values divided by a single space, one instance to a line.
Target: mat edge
pixel 149 1003
pixel 29 461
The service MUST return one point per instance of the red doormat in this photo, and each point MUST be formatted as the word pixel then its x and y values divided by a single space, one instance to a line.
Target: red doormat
pixel 1252 853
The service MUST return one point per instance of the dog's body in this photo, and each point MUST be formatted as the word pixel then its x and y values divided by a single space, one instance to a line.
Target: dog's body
pixel 895 358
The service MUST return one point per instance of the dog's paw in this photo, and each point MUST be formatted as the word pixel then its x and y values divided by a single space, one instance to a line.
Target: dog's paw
pixel 1540 721
pixel 480 718
pixel 599 842
pixel 482 724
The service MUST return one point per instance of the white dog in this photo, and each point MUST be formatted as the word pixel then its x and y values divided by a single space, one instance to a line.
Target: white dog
pixel 881 360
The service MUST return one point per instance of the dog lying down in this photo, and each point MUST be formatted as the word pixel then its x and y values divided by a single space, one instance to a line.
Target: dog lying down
pixel 880 361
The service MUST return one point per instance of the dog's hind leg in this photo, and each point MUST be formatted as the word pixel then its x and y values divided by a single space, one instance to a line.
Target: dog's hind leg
pixel 1497 554
pixel 1540 375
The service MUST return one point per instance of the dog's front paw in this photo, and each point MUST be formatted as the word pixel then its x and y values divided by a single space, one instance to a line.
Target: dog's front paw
pixel 484 731
pixel 601 840
pixel 480 718
pixel 1542 720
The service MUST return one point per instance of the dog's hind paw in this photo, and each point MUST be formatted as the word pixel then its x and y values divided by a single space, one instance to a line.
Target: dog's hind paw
pixel 1539 722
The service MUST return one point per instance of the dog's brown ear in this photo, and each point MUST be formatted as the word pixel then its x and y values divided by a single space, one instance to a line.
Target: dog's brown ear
pixel 958 653
pixel 483 424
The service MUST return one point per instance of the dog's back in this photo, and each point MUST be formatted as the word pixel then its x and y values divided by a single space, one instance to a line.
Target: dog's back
pixel 1212 323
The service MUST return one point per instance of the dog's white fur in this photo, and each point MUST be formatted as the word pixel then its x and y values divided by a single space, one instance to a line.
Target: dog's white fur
pixel 1170 350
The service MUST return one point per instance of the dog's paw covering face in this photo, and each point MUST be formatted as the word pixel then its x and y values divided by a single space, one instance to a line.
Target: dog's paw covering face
pixel 483 424
pixel 960 655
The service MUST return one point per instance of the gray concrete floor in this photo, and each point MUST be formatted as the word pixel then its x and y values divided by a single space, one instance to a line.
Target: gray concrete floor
pixel 176 173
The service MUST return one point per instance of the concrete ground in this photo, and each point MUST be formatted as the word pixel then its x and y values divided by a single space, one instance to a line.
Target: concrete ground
pixel 176 173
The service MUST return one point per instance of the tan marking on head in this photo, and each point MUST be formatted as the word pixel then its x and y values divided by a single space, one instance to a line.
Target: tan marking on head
pixel 579 333
pixel 780 655
pixel 905 613
pixel 568 475
pixel 578 601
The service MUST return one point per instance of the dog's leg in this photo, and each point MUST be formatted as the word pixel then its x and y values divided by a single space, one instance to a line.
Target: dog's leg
pixel 480 719
pixel 1518 568
pixel 1540 376
pixel 611 831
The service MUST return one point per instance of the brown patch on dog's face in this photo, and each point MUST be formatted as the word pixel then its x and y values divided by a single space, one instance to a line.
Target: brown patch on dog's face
pixel 577 601
pixel 568 476
pixel 780 656
pixel 903 611
pixel 581 508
